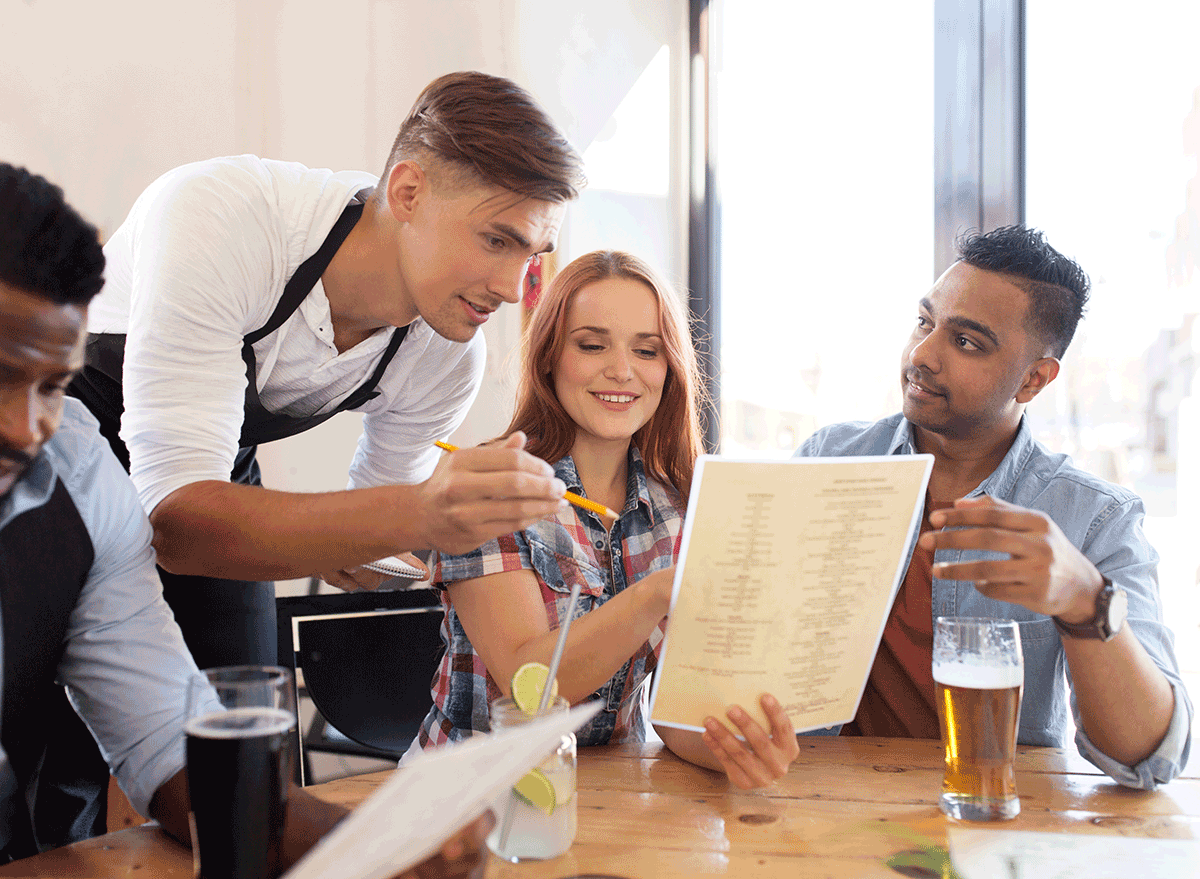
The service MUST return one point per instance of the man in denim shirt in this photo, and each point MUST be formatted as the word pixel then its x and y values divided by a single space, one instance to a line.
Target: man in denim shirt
pixel 1024 534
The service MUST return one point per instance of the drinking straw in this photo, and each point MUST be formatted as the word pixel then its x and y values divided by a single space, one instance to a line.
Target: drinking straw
pixel 555 658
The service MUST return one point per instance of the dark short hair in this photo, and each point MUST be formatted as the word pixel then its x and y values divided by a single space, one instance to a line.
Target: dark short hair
pixel 1056 285
pixel 46 248
pixel 490 127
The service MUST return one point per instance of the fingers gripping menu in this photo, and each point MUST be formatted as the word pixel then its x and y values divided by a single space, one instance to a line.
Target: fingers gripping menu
pixel 786 576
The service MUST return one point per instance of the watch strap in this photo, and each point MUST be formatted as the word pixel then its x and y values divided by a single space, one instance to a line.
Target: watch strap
pixel 1098 628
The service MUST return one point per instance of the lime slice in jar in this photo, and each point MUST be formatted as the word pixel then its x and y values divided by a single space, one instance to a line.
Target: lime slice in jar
pixel 536 790
pixel 528 681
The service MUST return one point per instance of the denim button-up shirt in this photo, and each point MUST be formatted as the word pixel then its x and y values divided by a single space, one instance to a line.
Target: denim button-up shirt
pixel 1105 522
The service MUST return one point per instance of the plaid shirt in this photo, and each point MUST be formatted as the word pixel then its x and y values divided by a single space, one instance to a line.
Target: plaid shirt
pixel 572 547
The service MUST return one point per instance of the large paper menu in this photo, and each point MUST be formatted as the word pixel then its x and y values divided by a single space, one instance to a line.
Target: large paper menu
pixel 786 577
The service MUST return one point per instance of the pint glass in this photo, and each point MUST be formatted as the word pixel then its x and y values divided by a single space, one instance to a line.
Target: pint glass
pixel 979 673
pixel 239 735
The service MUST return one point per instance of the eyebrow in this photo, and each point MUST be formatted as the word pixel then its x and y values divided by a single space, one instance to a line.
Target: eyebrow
pixel 522 241
pixel 964 323
pixel 605 332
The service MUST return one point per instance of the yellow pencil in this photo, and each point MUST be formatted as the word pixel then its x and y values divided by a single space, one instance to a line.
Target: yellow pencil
pixel 570 495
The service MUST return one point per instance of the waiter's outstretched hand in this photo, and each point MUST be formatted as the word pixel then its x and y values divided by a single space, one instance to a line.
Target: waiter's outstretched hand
pixel 478 494
pixel 357 578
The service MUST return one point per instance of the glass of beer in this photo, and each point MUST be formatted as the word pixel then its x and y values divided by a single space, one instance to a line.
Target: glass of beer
pixel 240 722
pixel 979 672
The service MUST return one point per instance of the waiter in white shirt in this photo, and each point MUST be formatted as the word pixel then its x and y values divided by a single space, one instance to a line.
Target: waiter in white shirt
pixel 247 300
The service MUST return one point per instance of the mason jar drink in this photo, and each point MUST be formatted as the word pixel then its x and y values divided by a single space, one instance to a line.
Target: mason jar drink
pixel 979 673
pixel 537 819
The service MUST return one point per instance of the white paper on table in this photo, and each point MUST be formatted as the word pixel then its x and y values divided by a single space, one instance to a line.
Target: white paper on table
pixel 431 797
pixel 1018 854
pixel 786 575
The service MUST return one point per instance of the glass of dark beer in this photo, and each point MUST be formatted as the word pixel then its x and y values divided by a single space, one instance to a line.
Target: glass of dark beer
pixel 240 722
pixel 979 673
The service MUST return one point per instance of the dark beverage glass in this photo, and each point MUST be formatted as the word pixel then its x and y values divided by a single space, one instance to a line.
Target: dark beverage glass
pixel 239 741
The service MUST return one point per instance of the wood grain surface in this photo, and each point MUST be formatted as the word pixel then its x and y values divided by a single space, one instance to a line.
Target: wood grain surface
pixel 846 807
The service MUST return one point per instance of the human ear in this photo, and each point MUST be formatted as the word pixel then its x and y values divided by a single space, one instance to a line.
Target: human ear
pixel 406 185
pixel 1040 374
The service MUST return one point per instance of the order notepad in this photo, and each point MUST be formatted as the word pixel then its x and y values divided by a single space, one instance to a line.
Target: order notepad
pixel 786 576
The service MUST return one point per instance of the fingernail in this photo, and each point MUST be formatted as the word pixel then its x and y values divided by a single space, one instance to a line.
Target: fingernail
pixel 770 701
pixel 736 713
pixel 558 486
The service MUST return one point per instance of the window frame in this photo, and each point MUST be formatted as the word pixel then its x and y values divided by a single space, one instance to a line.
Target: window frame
pixel 979 151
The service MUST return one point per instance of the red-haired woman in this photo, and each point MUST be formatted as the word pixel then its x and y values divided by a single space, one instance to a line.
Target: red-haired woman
pixel 608 395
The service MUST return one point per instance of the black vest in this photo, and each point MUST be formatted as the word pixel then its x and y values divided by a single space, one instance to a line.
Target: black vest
pixel 45 556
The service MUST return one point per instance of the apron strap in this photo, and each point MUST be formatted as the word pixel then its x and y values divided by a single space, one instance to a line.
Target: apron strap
pixel 307 275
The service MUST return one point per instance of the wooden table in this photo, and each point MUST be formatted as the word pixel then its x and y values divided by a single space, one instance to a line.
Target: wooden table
pixel 846 807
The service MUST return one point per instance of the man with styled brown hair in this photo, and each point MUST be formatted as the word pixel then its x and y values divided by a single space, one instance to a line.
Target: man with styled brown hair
pixel 248 300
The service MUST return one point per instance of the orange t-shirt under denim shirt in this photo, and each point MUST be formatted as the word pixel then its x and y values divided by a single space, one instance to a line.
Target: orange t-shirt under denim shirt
pixel 899 699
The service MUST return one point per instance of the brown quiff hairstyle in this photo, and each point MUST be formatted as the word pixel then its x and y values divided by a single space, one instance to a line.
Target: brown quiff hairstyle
pixel 469 124
pixel 671 440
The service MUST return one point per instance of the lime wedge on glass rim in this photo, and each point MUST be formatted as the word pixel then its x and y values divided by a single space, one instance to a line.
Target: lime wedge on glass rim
pixel 528 681
pixel 536 790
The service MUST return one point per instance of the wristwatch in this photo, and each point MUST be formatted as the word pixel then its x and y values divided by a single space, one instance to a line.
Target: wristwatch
pixel 1112 604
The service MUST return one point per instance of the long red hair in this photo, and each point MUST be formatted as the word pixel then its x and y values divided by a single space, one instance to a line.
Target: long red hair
pixel 671 440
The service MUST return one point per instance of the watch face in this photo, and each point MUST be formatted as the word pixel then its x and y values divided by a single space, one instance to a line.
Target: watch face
pixel 1118 607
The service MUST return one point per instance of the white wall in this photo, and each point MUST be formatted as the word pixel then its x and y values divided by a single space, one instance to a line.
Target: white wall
pixel 102 98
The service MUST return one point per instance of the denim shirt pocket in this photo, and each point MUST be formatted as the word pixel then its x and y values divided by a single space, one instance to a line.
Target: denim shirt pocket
pixel 560 571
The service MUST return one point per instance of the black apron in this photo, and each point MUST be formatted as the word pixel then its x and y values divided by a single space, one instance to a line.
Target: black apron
pixel 45 556
pixel 230 622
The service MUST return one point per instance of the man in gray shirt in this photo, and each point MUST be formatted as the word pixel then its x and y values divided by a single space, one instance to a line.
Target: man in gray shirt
pixel 80 601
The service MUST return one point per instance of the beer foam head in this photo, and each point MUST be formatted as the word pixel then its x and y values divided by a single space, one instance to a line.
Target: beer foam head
pixel 240 723
pixel 974 676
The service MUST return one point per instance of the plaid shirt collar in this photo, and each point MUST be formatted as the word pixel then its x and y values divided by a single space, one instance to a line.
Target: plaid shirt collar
pixel 637 489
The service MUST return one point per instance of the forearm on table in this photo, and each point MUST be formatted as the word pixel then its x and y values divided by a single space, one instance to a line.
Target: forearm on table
pixel 252 533
pixel 170 806
pixel 308 819
pixel 1125 701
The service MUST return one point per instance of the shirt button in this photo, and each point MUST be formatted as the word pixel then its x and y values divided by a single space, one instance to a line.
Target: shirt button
pixel 599 544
